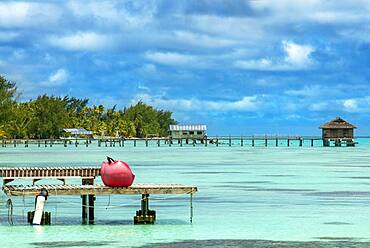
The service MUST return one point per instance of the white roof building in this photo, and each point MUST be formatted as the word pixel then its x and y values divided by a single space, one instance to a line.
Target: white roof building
pixel 188 127
pixel 77 131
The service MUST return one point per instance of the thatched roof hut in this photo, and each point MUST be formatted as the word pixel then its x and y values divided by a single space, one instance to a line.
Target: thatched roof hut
pixel 338 123
pixel 337 129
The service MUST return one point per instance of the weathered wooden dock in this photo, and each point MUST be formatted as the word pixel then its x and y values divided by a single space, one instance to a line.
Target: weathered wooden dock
pixel 87 190
pixel 167 141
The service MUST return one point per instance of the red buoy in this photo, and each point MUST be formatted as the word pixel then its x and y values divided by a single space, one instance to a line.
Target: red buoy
pixel 115 173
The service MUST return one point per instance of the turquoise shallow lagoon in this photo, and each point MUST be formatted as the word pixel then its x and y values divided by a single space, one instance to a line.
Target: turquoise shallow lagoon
pixel 274 193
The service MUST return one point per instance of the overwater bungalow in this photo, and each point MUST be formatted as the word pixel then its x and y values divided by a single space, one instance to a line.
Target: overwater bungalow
pixel 339 131
pixel 188 131
pixel 76 133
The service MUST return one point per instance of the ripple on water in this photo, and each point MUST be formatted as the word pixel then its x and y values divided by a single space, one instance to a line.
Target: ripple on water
pixel 330 242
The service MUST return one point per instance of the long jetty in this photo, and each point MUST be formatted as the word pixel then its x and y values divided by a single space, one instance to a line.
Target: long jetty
pixel 168 141
pixel 87 190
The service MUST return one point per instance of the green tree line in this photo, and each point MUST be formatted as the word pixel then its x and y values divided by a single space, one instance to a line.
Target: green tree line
pixel 46 116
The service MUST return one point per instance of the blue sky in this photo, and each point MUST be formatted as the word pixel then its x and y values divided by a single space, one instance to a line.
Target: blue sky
pixel 241 67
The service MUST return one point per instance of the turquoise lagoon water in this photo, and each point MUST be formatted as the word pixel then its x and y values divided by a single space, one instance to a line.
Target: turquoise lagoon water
pixel 275 193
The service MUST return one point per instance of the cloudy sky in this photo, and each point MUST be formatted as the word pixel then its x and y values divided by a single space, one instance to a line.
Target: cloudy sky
pixel 239 66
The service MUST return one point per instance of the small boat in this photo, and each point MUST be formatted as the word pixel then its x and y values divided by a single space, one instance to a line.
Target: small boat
pixel 115 173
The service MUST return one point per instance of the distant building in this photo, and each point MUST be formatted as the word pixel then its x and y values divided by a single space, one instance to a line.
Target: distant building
pixel 76 132
pixel 188 131
pixel 338 130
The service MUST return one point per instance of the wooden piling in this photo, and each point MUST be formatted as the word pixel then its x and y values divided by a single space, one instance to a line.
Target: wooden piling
pixel 84 209
pixel 311 142
pixel 252 141
pixel 91 209
pixel 229 141
pixel 146 142
pixel 288 142
pixel 277 142
pixel 241 141
pixel 135 143
pixel 266 142
pixel 300 142
pixel 144 215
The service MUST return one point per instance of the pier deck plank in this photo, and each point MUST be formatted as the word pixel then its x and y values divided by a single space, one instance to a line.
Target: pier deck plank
pixel 32 190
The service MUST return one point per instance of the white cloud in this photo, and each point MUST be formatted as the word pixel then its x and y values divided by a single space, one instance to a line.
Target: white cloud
pixel 26 14
pixel 203 40
pixel 148 68
pixel 6 36
pixel 261 64
pixel 89 41
pixel 307 91
pixel 108 13
pixel 298 55
pixel 247 103
pixel 350 105
pixel 171 58
pixel 56 78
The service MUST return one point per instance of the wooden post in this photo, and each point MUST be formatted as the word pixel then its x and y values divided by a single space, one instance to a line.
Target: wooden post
pixel 84 209
pixel 277 142
pixel 46 143
pixel 38 142
pixel 159 142
pixel 241 141
pixel 253 141
pixel 288 142
pixel 134 142
pixel 99 142
pixel 26 143
pixel 311 142
pixel 91 209
pixel 300 142
pixel 144 215
pixel 146 142
pixel 229 141
pixel 217 142
pixel 15 143
pixel 181 142
pixel 266 142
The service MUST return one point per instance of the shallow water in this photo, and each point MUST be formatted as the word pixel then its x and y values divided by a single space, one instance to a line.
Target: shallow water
pixel 274 193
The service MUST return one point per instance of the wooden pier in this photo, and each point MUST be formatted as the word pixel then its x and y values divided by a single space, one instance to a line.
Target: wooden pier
pixel 251 141
pixel 87 190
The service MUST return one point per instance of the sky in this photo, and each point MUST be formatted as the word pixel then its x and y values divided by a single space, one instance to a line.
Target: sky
pixel 242 67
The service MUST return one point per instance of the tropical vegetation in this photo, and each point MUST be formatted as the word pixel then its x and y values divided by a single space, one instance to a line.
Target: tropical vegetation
pixel 47 116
